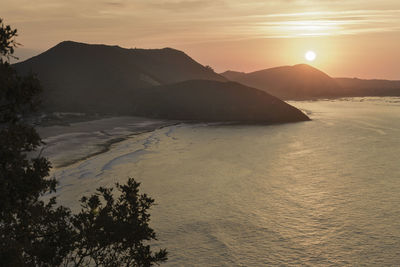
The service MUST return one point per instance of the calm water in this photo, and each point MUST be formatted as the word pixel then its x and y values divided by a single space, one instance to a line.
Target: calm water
pixel 324 192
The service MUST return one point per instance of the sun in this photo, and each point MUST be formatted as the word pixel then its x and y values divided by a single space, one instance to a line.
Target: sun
pixel 310 55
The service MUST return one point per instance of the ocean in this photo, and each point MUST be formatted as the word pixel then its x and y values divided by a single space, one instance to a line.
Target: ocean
pixel 323 192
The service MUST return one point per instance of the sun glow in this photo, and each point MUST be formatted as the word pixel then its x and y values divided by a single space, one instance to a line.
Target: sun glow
pixel 310 55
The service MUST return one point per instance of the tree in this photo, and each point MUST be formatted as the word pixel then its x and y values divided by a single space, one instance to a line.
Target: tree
pixel 110 231
pixel 107 231
pixel 28 225
pixel 209 68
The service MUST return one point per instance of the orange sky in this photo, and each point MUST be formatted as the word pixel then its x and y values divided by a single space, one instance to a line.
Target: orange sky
pixel 352 38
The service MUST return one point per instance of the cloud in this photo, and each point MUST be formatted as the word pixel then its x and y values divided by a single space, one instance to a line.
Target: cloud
pixel 325 23
pixel 114 3
pixel 179 6
pixel 191 21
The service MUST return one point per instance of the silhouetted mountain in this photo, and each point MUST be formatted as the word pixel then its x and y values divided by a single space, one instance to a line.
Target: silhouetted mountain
pixel 73 71
pixel 289 82
pixel 214 101
pixel 305 82
pixel 233 75
pixel 360 87
pixel 162 83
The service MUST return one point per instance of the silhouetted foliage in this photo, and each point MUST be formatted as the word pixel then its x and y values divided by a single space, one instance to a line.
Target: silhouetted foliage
pixel 111 230
pixel 209 68
pixel 106 232
pixel 7 39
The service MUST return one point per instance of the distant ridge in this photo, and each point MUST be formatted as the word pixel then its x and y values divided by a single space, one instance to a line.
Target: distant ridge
pixel 305 82
pixel 373 87
pixel 233 75
pixel 289 82
pixel 161 83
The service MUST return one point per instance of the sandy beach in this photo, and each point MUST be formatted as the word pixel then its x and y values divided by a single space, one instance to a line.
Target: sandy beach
pixel 82 140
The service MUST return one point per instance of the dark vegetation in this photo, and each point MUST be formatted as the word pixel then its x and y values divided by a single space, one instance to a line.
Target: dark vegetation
pixel 160 83
pixel 230 101
pixel 108 231
pixel 302 81
pixel 79 77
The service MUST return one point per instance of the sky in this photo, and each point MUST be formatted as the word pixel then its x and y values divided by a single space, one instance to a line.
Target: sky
pixel 351 38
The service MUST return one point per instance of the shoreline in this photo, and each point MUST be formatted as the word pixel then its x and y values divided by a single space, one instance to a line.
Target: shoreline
pixel 83 140
pixel 86 139
pixel 107 146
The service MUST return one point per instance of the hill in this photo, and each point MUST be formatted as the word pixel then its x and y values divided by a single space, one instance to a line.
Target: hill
pixel 375 87
pixel 289 82
pixel 74 73
pixel 159 83
pixel 206 100
pixel 233 75
pixel 305 82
